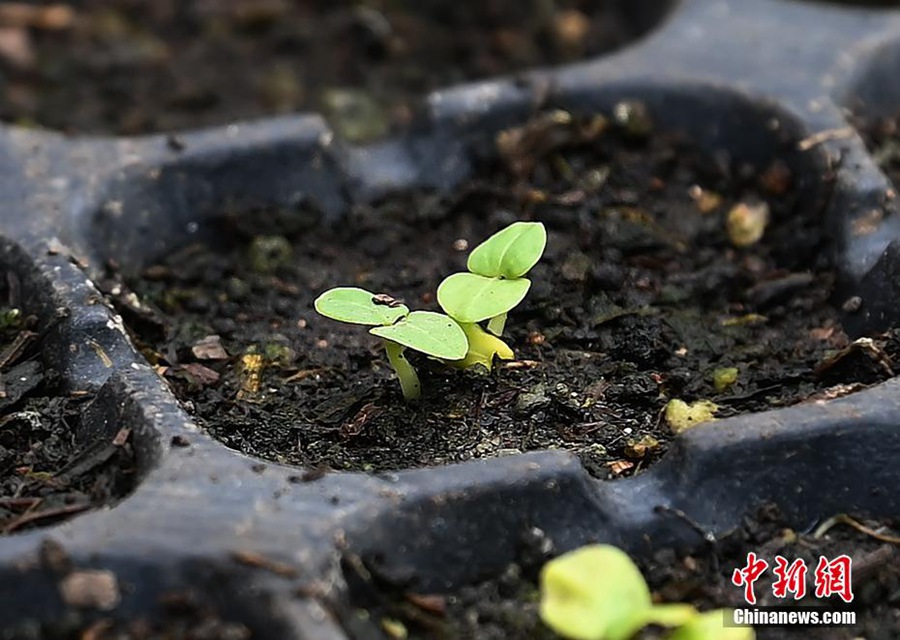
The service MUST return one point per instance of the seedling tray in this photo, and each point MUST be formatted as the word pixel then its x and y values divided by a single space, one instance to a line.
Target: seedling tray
pixel 263 542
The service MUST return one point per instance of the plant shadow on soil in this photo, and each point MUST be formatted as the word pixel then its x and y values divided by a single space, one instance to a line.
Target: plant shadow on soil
pixel 640 297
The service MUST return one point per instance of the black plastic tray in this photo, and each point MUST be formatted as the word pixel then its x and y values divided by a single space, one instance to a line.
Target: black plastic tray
pixel 742 74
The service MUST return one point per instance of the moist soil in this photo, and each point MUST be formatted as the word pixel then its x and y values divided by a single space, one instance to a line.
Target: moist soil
pixel 507 607
pixel 136 66
pixel 882 136
pixel 46 474
pixel 640 298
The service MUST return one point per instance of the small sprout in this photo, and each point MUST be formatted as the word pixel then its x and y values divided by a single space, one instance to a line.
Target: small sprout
pixel 433 334
pixel 682 416
pixel 489 291
pixel 597 593
pixel 493 286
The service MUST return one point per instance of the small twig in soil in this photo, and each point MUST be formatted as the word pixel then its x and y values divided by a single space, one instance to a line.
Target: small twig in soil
pixel 304 374
pixel 101 353
pixel 520 364
pixel 707 536
pixel 15 348
pixel 752 394
pixel 259 561
pixel 33 516
pixel 824 136
pixel 94 457
pixel 843 518
pixel 18 503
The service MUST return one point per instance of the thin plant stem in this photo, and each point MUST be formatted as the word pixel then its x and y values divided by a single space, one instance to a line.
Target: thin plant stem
pixel 497 324
pixel 409 380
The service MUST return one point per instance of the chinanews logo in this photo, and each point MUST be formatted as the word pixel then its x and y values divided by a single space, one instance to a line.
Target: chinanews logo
pixel 831 588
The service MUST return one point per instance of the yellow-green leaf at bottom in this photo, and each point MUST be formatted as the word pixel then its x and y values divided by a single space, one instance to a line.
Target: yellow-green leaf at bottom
pixel 711 626
pixel 594 593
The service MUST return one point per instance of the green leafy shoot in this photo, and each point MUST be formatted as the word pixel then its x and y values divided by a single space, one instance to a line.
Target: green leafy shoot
pixel 493 286
pixel 598 593
pixel 510 253
pixel 434 334
pixel 468 297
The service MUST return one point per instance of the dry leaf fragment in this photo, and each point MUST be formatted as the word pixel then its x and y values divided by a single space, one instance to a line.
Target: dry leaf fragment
pixel 640 448
pixel 259 561
pixel 704 199
pixel 90 589
pixel 432 603
pixel 209 348
pixel 618 467
pixel 195 373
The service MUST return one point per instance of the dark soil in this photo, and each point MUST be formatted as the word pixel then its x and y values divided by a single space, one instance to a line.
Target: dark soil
pixel 882 136
pixel 507 607
pixel 46 475
pixel 135 66
pixel 639 299
pixel 183 615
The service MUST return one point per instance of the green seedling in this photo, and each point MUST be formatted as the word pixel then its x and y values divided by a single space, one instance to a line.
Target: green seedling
pixel 433 334
pixel 598 593
pixel 492 287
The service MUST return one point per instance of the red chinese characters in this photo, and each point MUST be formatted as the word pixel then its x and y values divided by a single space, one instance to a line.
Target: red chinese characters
pixel 790 578
pixel 833 578
pixel 747 576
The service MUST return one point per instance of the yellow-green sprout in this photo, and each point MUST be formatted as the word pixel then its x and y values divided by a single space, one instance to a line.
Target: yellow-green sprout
pixel 492 287
pixel 433 334
pixel 598 593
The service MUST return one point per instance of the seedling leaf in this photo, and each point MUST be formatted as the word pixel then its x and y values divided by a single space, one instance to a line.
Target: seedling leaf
pixel 434 334
pixel 358 306
pixel 711 626
pixel 509 253
pixel 594 593
pixel 472 298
